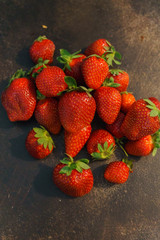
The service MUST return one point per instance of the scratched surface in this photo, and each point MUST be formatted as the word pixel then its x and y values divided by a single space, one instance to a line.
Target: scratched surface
pixel 31 207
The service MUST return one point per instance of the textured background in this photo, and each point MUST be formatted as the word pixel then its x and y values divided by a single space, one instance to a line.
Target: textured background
pixel 31 207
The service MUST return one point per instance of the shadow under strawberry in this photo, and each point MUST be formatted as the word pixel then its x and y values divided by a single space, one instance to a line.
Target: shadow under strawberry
pixel 23 58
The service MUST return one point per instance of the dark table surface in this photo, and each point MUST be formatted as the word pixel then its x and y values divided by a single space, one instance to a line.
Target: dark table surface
pixel 31 207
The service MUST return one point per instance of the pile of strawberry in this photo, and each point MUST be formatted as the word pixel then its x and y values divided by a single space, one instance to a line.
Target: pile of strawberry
pixel 69 98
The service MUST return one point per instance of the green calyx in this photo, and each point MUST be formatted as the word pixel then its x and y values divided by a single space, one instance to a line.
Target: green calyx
pixel 129 163
pixel 65 58
pixel 111 55
pixel 40 64
pixel 105 151
pixel 40 96
pixel 40 38
pixel 43 137
pixel 156 142
pixel 109 82
pixel 116 72
pixel 70 165
pixel 155 112
pixel 18 74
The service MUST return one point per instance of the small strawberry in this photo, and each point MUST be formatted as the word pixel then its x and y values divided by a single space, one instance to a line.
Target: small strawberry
pixel 142 119
pixel 19 98
pixel 100 144
pixel 74 178
pixel 108 102
pixel 72 64
pixel 42 48
pixel 34 71
pixel 50 81
pixel 46 114
pixel 118 171
pixel 39 143
pixel 114 128
pixel 117 78
pixel 127 100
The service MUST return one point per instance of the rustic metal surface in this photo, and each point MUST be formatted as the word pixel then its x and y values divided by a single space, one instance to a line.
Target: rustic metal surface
pixel 31 207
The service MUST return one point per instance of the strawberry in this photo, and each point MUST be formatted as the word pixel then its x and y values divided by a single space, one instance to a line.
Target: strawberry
pixel 19 98
pixel 74 178
pixel 144 146
pixel 114 128
pixel 127 100
pixel 100 144
pixel 118 171
pixel 46 114
pixel 42 48
pixel 74 142
pixel 142 119
pixel 50 81
pixel 117 78
pixel 108 102
pixel 72 64
pixel 34 71
pixel 94 70
pixel 39 143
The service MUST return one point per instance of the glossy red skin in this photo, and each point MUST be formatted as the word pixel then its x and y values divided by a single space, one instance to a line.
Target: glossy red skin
pixel 51 81
pixel 44 49
pixel 19 99
pixel 94 71
pixel 141 147
pixel 46 114
pixel 127 101
pixel 74 142
pixel 138 123
pixel 108 102
pixel 122 79
pixel 77 184
pixel 116 172
pixel 97 47
pixel 75 65
pixel 99 136
pixel 76 110
pixel 36 150
pixel 114 128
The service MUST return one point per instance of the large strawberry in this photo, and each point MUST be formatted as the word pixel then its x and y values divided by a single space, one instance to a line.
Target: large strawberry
pixel 51 81
pixel 42 48
pixel 74 142
pixel 142 119
pixel 46 114
pixel 19 98
pixel 100 144
pixel 74 178
pixel 114 128
pixel 108 102
pixel 39 143
pixel 72 64
pixel 127 100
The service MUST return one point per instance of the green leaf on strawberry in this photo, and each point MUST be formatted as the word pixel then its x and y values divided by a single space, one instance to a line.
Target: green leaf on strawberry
pixel 115 72
pixel 154 110
pixel 110 82
pixel 156 142
pixel 20 73
pixel 40 38
pixel 104 152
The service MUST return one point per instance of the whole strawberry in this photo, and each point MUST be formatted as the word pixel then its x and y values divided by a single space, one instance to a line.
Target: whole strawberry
pixel 46 114
pixel 19 98
pixel 74 178
pixel 100 144
pixel 72 64
pixel 127 100
pixel 51 81
pixel 39 143
pixel 142 119
pixel 108 102
pixel 114 128
pixel 42 48
pixel 118 171
pixel 74 142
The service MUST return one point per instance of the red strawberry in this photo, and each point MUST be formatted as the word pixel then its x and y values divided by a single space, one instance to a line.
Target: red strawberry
pixel 19 98
pixel 51 81
pixel 76 110
pixel 142 119
pixel 94 70
pixel 74 142
pixel 108 102
pixel 114 128
pixel 118 171
pixel 46 114
pixel 127 100
pixel 39 143
pixel 42 48
pixel 73 178
pixel 72 64
pixel 119 78
pixel 34 71
pixel 100 144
